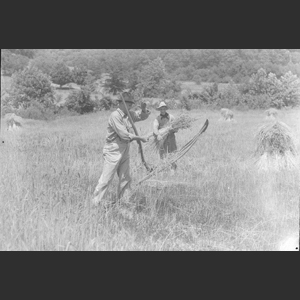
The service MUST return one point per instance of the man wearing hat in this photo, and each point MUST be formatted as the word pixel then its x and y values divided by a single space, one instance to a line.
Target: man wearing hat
pixel 116 148
pixel 162 121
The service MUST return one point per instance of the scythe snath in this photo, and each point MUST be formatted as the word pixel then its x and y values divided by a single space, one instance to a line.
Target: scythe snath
pixel 136 133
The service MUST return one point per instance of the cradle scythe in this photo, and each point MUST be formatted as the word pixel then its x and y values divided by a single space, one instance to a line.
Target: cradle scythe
pixel 173 158
pixel 136 133
pixel 177 155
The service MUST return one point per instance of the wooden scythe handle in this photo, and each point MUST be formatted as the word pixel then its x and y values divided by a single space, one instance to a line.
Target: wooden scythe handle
pixel 136 133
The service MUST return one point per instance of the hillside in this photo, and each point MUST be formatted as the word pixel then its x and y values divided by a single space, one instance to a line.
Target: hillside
pixel 208 65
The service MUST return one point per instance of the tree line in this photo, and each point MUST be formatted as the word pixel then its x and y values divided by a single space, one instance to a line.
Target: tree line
pixel 32 93
pixel 199 65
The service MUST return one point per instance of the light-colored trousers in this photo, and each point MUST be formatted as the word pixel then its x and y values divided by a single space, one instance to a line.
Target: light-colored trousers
pixel 116 160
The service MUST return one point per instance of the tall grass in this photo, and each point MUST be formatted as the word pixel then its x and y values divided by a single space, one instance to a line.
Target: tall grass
pixel 217 200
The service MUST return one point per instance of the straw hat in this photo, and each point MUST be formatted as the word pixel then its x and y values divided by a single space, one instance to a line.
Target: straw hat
pixel 162 104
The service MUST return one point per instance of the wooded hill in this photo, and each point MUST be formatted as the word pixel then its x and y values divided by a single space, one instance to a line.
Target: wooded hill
pixel 199 65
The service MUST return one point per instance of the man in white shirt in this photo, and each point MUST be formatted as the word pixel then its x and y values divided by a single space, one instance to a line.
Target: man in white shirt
pixel 117 147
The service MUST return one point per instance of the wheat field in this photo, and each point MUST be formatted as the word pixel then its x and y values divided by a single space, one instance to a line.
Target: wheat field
pixel 216 201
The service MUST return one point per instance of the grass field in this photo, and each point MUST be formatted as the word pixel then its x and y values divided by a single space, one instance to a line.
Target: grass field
pixel 217 200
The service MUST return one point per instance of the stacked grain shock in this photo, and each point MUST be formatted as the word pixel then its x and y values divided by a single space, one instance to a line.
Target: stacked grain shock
pixel 271 114
pixel 184 121
pixel 227 115
pixel 275 147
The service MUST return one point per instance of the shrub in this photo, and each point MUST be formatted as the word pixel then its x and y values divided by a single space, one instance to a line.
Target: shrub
pixel 283 92
pixel 230 97
pixel 36 111
pixel 210 95
pixel 170 89
pixel 6 103
pixel 61 75
pixel 291 89
pixel 11 63
pixel 195 95
pixel 256 101
pixel 197 79
pixel 31 85
pixel 79 76
pixel 80 102
pixel 258 83
pixel 106 103
pixel 63 111
pixel 196 104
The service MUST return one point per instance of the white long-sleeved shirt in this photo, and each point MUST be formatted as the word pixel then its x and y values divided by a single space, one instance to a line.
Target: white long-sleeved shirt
pixel 119 125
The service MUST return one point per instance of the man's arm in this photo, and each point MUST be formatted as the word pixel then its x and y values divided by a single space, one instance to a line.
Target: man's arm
pixel 118 126
pixel 141 115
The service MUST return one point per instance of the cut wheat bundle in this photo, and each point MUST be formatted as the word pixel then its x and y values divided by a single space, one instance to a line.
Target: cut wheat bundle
pixel 275 147
pixel 184 121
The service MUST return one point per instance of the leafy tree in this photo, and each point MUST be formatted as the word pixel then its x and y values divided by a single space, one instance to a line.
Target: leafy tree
pixel 24 52
pixel 133 81
pixel 45 61
pixel 106 103
pixel 31 85
pixel 258 82
pixel 11 62
pixel 282 92
pixel 230 96
pixel 80 101
pixel 210 94
pixel 61 74
pixel 216 64
pixel 80 75
pixel 114 84
pixel 291 89
pixel 170 89
pixel 152 77
pixel 197 79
